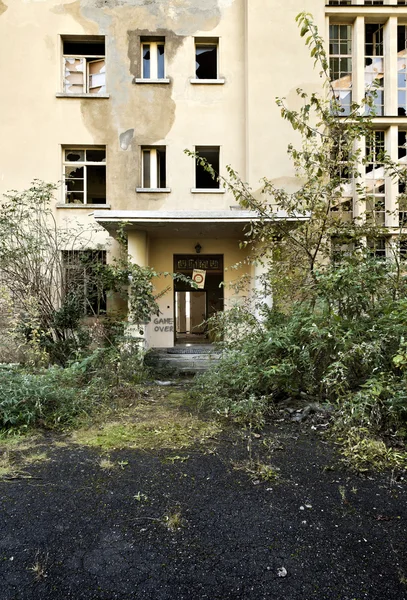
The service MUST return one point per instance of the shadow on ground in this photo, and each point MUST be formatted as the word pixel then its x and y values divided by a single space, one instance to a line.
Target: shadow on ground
pixel 190 522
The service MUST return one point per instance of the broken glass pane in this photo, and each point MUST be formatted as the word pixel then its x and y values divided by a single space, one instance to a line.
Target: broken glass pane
pixel 146 61
pixel 74 155
pixel 206 61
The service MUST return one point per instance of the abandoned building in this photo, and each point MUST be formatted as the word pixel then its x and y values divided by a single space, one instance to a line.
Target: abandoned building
pixel 105 96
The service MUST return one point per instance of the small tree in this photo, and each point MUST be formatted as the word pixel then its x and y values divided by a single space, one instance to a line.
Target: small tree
pixel 328 161
pixel 47 306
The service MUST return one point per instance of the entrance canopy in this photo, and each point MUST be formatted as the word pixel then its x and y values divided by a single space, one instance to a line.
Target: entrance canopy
pixel 185 224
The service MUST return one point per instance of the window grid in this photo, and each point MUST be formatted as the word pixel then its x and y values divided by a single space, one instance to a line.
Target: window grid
pixel 340 64
pixel 84 175
pixel 374 66
pixel 375 179
pixel 402 198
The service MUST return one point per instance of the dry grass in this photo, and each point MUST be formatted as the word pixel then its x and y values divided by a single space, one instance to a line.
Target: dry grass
pixel 173 520
pixel 35 457
pixel 106 464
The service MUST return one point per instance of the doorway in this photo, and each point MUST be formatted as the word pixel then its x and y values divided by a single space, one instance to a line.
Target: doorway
pixel 193 307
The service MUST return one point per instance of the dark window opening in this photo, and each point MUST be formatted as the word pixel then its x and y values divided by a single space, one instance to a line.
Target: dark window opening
pixel 204 179
pixel 206 56
pixel 84 48
pixel 82 280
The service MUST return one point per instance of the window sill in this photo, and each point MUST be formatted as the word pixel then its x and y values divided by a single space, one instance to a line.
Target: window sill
pixel 88 206
pixel 67 95
pixel 141 80
pixel 153 190
pixel 208 190
pixel 207 81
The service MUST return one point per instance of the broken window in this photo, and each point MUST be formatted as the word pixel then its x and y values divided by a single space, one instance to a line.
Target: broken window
pixel 340 65
pixel 85 175
pixel 402 70
pixel 82 279
pixel 153 168
pixel 84 68
pixel 203 179
pixel 402 197
pixel 206 59
pixel 375 179
pixel 377 247
pixel 152 55
pixel 403 250
pixel 374 66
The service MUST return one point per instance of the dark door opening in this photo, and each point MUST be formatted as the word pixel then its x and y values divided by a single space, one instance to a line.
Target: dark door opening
pixel 193 307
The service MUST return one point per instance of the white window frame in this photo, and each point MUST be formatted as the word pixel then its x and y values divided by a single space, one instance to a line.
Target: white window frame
pixel 85 164
pixel 339 89
pixel 153 156
pixel 153 78
pixel 85 62
pixel 208 42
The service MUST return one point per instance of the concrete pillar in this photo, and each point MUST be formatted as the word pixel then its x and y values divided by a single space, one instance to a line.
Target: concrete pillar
pixel 137 247
pixel 138 254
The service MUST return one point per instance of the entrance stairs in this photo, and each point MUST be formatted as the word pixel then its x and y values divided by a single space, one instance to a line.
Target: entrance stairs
pixel 184 358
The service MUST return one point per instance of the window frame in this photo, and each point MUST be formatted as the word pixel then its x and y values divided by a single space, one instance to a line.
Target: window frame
pixel 87 59
pixel 216 189
pixel 153 60
pixel 209 41
pixel 154 169
pixel 84 164
pixel 378 108
pixel 339 57
pixel 376 198
pixel 153 42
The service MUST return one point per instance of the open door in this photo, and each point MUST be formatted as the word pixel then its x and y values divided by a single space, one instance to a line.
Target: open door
pixel 193 307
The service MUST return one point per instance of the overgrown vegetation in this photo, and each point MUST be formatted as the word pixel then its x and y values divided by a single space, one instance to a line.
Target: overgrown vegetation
pixel 60 398
pixel 337 332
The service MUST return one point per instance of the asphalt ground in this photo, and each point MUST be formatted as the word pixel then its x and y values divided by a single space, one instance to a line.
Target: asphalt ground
pixel 196 524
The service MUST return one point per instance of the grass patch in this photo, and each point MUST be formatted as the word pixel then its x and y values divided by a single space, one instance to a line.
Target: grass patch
pixel 147 426
pixel 106 464
pixel 35 457
pixel 6 466
pixel 257 470
pixel 362 452
pixel 173 520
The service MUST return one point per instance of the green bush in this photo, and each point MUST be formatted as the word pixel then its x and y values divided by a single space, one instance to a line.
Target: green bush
pixel 58 397
pixel 344 346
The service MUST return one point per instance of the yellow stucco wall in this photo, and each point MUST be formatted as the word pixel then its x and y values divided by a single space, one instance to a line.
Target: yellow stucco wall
pixel 161 257
pixel 261 56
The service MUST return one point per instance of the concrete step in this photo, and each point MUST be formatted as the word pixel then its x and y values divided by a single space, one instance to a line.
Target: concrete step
pixel 190 359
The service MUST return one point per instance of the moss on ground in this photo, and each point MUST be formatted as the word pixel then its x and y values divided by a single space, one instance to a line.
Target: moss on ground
pixel 161 422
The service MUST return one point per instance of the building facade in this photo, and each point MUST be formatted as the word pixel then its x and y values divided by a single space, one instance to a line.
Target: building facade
pixel 105 96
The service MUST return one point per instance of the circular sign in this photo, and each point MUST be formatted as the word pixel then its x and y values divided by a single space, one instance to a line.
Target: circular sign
pixel 198 278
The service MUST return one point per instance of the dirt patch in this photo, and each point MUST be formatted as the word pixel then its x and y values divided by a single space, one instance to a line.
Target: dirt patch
pixel 178 524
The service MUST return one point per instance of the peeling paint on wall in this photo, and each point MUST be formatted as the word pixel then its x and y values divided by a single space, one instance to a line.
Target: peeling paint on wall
pixel 145 113
pixel 126 138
